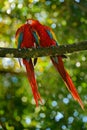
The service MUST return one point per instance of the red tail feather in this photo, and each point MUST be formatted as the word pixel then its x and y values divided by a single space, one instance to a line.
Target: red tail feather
pixel 32 80
pixel 68 81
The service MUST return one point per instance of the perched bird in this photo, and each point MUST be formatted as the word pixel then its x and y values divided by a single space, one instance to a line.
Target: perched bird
pixel 47 38
pixel 26 39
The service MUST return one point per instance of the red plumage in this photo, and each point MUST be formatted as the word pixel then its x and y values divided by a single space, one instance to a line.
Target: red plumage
pixel 32 80
pixel 25 39
pixel 67 79
pixel 47 38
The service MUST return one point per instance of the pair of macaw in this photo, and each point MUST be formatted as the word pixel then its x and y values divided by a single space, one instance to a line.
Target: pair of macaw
pixel 34 34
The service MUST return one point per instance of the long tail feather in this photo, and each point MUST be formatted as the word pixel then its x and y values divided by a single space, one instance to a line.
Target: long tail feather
pixel 67 79
pixel 32 80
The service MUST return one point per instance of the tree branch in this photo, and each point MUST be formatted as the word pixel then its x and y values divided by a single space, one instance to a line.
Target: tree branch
pixel 39 52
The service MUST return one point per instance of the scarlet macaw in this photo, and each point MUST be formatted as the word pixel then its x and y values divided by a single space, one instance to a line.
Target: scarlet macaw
pixel 47 38
pixel 25 39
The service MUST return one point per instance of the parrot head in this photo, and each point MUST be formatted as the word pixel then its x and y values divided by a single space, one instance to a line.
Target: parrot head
pixel 32 22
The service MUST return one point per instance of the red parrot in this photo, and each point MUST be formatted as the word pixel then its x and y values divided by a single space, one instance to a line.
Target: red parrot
pixel 47 38
pixel 26 39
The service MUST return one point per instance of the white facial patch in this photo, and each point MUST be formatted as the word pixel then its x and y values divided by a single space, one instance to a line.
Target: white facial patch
pixel 29 22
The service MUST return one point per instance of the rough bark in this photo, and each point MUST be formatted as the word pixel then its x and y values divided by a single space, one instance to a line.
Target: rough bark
pixel 39 52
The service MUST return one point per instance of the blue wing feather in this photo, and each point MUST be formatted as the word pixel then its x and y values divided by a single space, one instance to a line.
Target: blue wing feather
pixel 51 36
pixel 20 39
pixel 36 38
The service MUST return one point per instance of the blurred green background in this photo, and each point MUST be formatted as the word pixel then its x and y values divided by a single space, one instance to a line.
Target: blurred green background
pixel 68 19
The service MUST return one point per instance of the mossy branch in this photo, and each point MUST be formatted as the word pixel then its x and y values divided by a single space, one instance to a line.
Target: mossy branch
pixel 39 52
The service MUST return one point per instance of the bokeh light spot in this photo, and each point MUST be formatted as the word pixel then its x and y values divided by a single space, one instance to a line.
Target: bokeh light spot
pixel 58 116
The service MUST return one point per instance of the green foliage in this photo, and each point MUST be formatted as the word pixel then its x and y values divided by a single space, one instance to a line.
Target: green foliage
pixel 59 111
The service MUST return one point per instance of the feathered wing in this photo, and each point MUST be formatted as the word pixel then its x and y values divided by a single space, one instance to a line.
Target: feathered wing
pixel 29 65
pixel 58 63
